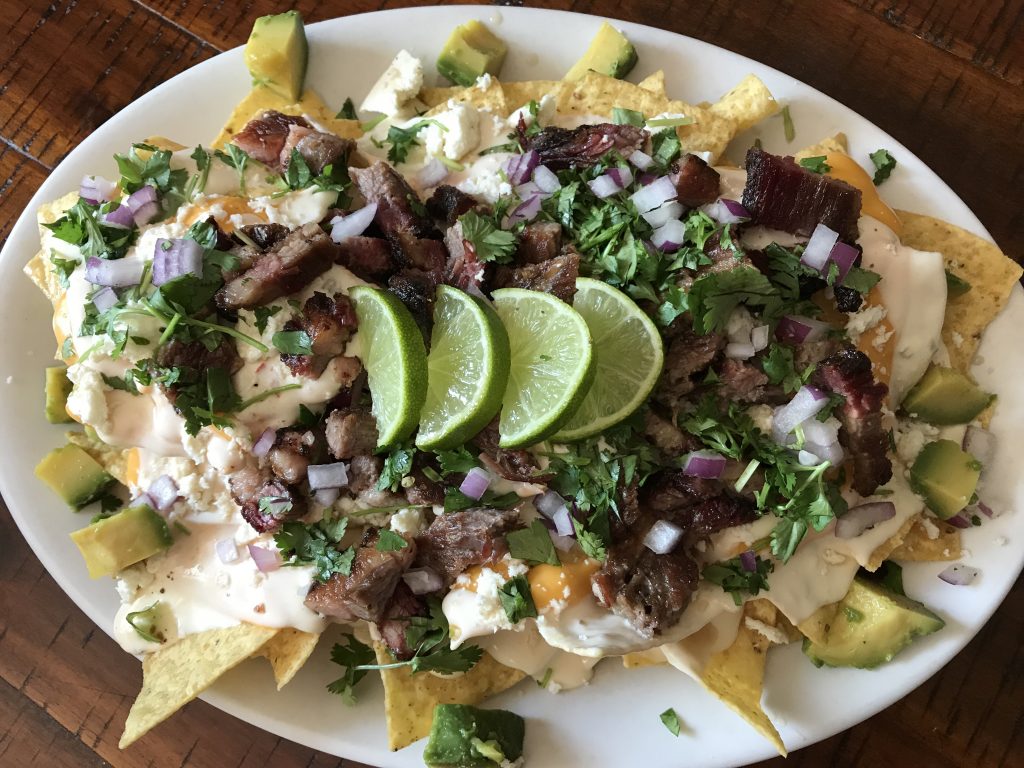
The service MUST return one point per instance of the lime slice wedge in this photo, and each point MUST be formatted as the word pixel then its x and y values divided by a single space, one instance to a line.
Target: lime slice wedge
pixel 629 358
pixel 551 369
pixel 467 370
pixel 395 361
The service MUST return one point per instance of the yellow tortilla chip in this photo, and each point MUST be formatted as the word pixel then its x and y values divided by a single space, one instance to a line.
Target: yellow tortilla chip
pixel 597 94
pixel 887 547
pixel 918 546
pixel 816 626
pixel 990 272
pixel 654 82
pixel 261 98
pixel 835 143
pixel 522 93
pixel 491 97
pixel 287 652
pixel 433 97
pixel 652 657
pixel 736 676
pixel 746 105
pixel 39 269
pixel 114 460
pixel 409 699
pixel 175 675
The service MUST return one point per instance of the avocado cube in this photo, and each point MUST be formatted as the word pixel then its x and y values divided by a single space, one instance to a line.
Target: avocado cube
pixel 466 737
pixel 58 387
pixel 112 544
pixel 946 476
pixel 471 51
pixel 75 475
pixel 277 53
pixel 944 396
pixel 610 53
pixel 870 626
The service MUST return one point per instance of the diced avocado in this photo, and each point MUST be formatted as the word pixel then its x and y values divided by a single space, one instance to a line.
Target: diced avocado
pixel 946 476
pixel 58 387
pixel 871 626
pixel 466 737
pixel 944 396
pixel 75 475
pixel 472 50
pixel 114 543
pixel 610 53
pixel 277 53
pixel 956 286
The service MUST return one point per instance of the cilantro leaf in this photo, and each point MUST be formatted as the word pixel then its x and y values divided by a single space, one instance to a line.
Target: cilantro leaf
pixel 459 460
pixel 263 315
pixel 591 542
pixel 389 541
pixel 490 243
pixel 449 661
pixel 347 111
pixel 533 544
pixel 815 164
pixel 733 578
pixel 293 342
pixel 671 721
pixel 517 600
pixel 197 183
pixel 780 369
pixel 236 158
pixel 621 116
pixel 454 500
pixel 884 164
pixel 714 296
pixel 351 655
pixel 404 139
pixel 63 268
pixel 316 544
pixel 298 175
pixel 861 280
pixel 665 148
pixel 397 465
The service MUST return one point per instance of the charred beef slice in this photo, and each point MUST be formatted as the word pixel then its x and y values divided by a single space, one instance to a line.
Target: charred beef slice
pixel 696 182
pixel 561 148
pixel 250 484
pixel 458 540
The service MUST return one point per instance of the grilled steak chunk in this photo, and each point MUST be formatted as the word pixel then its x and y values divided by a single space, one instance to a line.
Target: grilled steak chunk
pixel 696 182
pixel 467 537
pixel 416 290
pixel 290 265
pixel 463 269
pixel 666 436
pixel 193 359
pixel 687 355
pixel 367 591
pixel 292 453
pixel 448 203
pixel 510 464
pixel 561 148
pixel 329 322
pixel 782 195
pixel 743 382
pixel 317 148
pixel 392 628
pixel 363 475
pixel 265 235
pixel 263 138
pixel 848 373
pixel 556 276
pixel 250 484
pixel 351 432
pixel 366 257
pixel 539 242
pixel 701 506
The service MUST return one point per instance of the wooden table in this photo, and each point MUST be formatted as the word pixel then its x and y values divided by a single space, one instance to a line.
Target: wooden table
pixel 945 77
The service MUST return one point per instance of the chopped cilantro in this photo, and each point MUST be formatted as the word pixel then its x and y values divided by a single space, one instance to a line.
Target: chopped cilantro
pixel 389 541
pixel 235 158
pixel 815 164
pixel 533 544
pixel 297 175
pixel 347 111
pixel 861 280
pixel 197 183
pixel 458 460
pixel 352 655
pixel 302 544
pixel 146 165
pixel 63 268
pixel 884 164
pixel 490 242
pixel 780 369
pixel 517 600
pixel 621 116
pixel 404 139
pixel 262 316
pixel 788 130
pixel 293 342
pixel 671 721
pixel 733 578
pixel 714 296
pixel 454 500
pixel 397 464
pixel 82 225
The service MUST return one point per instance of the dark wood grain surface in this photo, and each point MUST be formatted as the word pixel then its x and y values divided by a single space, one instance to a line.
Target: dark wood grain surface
pixel 945 77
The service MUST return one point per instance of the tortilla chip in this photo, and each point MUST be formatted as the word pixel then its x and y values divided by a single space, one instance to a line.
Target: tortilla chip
pixel 162 142
pixel 990 272
pixel 522 93
pixel 835 143
pixel 652 657
pixel 918 546
pixel 887 547
pixel 736 676
pixel 491 98
pixel 287 652
pixel 39 269
pixel 113 460
pixel 747 104
pixel 409 699
pixel 260 98
pixel 175 675
pixel 433 97
pixel 815 627
pixel 597 94
pixel 654 82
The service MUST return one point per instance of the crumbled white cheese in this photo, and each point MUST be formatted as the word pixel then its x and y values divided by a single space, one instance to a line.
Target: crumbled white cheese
pixel 1002 541
pixel 545 113
pixel 930 528
pixel 486 186
pixel 762 416
pixel 293 209
pixel 396 87
pixel 408 521
pixel 864 320
pixel 773 634
pixel 958 339
pixel 483 82
pixel 911 437
pixel 454 132
pixel 87 400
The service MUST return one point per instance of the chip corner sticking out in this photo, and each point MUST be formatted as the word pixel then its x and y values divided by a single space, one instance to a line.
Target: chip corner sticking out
pixel 287 653
pixel 747 104
pixel 928 540
pixel 409 699
pixel 835 143
pixel 175 675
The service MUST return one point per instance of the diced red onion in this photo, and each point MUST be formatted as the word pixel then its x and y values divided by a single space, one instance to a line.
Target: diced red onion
pixel 266 560
pixel 959 575
pixel 121 217
pixel 669 236
pixel 806 458
pixel 623 176
pixel 959 520
pixel 563 522
pixel 646 178
pixel 477 481
pixel 163 492
pixel 705 464
pixel 604 186
pixel 327 475
pixel 740 350
pixel 326 497
pixel 562 543
pixel 354 224
pixel 432 174
pixel 819 247
pixel 265 442
pixel 141 197
pixel 177 257
pixel 806 403
pixel 116 273
pixel 858 519
pixel 142 498
pixel 519 168
pixel 821 432
pixel 663 537
pixel 546 179
pixel 831 452
pixel 726 211
pixel 796 329
pixel 422 581
pixel 843 256
pixel 985 509
pixel 526 210
pixel 526 190
pixel 96 189
pixel 759 337
pixel 548 503
pixel 652 196
pixel 749 561
pixel 663 214
pixel 146 213
pixel 981 444
pixel 227 550
pixel 641 160
pixel 104 299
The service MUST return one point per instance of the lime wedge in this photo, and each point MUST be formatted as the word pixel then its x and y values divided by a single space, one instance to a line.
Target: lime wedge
pixel 467 370
pixel 629 358
pixel 551 369
pixel 395 361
